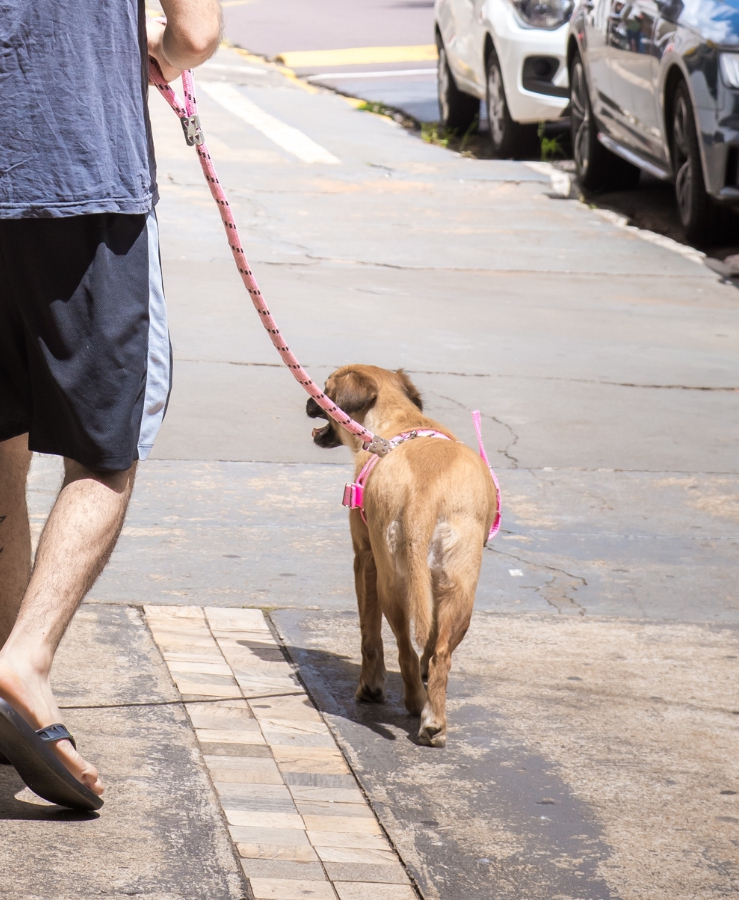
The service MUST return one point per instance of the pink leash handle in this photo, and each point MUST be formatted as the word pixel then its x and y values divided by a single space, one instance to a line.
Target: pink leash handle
pixel 476 421
pixel 188 115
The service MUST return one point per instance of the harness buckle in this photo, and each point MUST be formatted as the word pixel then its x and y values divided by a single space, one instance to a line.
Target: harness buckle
pixel 353 496
pixel 193 130
pixel 379 446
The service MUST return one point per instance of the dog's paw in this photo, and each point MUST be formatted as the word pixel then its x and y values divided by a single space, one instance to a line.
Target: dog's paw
pixel 367 694
pixel 432 736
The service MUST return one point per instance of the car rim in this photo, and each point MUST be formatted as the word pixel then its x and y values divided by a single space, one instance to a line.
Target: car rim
pixel 580 112
pixel 443 81
pixel 681 151
pixel 496 105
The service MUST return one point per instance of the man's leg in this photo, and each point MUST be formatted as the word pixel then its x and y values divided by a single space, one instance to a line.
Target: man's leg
pixel 75 545
pixel 15 532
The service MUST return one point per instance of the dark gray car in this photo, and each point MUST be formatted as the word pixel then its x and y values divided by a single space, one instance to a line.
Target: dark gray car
pixel 655 86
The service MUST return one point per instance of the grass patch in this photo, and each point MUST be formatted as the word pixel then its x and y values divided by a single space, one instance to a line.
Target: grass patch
pixel 432 133
pixel 379 109
pixel 551 147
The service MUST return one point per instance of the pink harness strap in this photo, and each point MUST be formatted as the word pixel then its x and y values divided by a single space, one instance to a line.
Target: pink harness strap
pixel 354 491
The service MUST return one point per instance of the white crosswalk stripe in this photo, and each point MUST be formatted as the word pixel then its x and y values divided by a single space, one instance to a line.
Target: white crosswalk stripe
pixel 290 139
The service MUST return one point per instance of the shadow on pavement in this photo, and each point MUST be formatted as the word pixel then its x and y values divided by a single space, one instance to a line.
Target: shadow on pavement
pixel 374 716
pixel 11 808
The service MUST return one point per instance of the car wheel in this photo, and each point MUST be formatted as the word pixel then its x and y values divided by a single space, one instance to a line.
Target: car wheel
pixel 597 168
pixel 510 139
pixel 698 213
pixel 457 110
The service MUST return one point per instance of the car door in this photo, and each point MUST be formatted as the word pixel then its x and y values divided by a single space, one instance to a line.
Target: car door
pixel 594 43
pixel 641 70
pixel 623 41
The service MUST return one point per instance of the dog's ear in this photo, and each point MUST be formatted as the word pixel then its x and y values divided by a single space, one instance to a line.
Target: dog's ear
pixel 353 392
pixel 409 389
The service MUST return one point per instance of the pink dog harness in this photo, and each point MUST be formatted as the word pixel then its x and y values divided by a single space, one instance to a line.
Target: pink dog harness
pixel 354 491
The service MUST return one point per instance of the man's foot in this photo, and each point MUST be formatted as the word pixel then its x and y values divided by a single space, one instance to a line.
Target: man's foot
pixel 31 696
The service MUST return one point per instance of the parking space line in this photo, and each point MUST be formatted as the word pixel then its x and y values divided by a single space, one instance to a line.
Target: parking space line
pixel 359 56
pixel 388 73
pixel 285 136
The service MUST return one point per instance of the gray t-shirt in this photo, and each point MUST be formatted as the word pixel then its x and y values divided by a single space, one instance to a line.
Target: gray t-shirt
pixel 75 136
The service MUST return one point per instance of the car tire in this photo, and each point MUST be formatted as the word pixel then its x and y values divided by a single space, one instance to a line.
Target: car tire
pixel 457 110
pixel 509 139
pixel 698 213
pixel 597 168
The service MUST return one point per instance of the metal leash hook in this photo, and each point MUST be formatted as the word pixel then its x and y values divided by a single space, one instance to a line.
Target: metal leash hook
pixel 194 136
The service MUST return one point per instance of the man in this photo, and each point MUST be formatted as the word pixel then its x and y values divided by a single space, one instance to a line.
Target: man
pixel 84 346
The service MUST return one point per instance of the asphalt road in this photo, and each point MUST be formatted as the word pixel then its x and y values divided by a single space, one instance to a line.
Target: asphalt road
pixel 406 80
pixel 593 743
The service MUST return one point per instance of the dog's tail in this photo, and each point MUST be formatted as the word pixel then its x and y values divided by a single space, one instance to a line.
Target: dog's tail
pixel 420 594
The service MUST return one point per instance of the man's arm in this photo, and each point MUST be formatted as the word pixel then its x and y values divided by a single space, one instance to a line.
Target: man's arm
pixel 191 35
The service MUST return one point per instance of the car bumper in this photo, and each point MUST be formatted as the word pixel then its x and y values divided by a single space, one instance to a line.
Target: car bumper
pixel 530 99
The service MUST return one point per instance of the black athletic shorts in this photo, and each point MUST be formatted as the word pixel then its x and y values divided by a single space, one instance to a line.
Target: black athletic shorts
pixel 85 358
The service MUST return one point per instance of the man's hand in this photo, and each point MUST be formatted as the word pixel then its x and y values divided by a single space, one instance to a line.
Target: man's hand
pixel 190 37
pixel 155 29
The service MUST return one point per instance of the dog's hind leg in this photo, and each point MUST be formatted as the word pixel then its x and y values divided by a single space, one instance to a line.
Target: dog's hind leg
pixel 428 652
pixel 453 615
pixel 415 693
pixel 372 677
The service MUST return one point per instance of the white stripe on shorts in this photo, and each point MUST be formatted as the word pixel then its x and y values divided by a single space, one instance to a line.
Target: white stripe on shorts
pixel 159 367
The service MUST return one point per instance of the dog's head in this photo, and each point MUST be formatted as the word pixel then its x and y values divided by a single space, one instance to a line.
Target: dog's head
pixel 357 390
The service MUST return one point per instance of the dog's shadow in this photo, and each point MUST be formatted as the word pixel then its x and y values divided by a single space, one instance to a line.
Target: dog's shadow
pixel 13 808
pixel 332 679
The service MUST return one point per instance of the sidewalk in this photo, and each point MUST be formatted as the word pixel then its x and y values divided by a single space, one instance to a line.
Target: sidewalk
pixel 593 739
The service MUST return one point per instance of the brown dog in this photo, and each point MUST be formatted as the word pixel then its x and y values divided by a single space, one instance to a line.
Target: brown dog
pixel 429 506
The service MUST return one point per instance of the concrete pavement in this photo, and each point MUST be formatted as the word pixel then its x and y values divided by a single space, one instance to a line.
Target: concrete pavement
pixel 593 740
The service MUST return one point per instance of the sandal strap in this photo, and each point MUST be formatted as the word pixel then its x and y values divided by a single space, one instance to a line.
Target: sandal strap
pixel 58 732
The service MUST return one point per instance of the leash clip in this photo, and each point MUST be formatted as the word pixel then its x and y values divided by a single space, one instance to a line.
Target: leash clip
pixel 193 130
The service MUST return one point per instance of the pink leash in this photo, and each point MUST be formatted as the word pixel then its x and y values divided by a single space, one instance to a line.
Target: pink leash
pixel 188 115
pixel 378 446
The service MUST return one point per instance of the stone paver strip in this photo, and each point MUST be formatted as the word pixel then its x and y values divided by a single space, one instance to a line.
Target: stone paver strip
pixel 298 820
pixel 361 891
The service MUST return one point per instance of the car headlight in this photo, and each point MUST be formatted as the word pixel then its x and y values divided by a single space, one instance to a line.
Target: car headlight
pixel 548 14
pixel 730 69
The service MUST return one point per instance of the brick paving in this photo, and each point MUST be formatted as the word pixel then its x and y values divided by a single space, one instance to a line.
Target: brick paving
pixel 299 822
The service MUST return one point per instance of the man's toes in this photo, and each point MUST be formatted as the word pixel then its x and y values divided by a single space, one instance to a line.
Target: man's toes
pixel 81 769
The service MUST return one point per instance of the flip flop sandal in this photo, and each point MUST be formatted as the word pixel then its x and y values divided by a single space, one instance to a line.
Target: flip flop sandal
pixel 37 764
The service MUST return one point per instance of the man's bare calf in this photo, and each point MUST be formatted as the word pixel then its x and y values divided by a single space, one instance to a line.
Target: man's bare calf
pixel 37 605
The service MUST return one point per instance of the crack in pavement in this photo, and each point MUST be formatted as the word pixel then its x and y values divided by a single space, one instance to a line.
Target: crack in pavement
pixel 505 425
pixel 559 599
pixel 626 384
pixel 479 270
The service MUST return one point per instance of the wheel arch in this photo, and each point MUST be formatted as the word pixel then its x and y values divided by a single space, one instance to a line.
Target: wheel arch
pixel 572 48
pixel 489 49
pixel 675 76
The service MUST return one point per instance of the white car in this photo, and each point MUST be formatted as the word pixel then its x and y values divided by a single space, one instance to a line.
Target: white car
pixel 511 54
